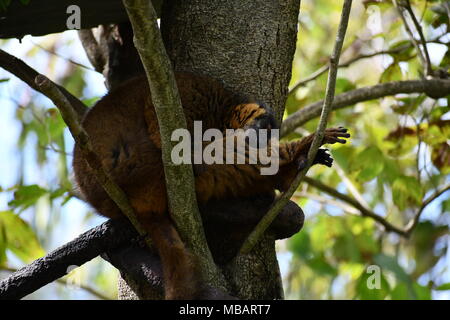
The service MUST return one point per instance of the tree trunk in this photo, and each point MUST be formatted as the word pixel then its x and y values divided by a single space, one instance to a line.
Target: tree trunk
pixel 249 45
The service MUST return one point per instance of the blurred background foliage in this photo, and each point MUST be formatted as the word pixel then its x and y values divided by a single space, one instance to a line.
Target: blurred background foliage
pixel 393 166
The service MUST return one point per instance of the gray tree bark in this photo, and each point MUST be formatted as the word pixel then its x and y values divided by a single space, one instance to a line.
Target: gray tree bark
pixel 249 45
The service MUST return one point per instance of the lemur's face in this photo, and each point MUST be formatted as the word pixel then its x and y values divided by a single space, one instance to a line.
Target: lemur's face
pixel 265 120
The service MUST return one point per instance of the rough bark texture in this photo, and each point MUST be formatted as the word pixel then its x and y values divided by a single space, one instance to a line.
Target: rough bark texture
pixel 249 45
pixel 109 235
pixel 41 17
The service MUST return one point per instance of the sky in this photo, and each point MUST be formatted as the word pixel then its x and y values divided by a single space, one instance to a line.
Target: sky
pixel 73 220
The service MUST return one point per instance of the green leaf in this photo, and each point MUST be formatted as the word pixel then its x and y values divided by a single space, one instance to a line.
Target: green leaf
pixel 343 156
pixel 19 237
pixel 343 85
pixel 443 287
pixel 300 244
pixel 422 292
pixel 390 263
pixel 91 101
pixel 392 73
pixel 371 163
pixel 321 266
pixel 26 196
pixel 400 292
pixel 405 191
pixel 345 248
pixel 364 292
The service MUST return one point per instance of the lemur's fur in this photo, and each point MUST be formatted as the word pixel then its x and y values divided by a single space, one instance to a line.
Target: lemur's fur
pixel 124 131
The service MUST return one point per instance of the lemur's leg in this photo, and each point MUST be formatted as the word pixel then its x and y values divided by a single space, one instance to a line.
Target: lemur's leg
pixel 293 155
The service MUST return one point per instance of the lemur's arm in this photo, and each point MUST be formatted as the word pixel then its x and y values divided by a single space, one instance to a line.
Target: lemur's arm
pixel 234 180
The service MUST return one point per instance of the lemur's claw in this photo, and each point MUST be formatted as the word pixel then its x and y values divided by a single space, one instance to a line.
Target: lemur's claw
pixel 334 135
pixel 301 164
pixel 323 157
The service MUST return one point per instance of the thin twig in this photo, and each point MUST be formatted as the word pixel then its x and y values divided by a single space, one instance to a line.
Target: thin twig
pixel 52 52
pixel 93 50
pixel 428 67
pixel 434 88
pixel 84 287
pixel 412 224
pixel 27 74
pixel 327 201
pixel 363 209
pixel 83 142
pixel 350 186
pixel 420 52
pixel 265 222
pixel 166 101
pixel 325 68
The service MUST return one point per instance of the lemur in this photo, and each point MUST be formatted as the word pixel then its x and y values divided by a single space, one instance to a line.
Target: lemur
pixel 124 131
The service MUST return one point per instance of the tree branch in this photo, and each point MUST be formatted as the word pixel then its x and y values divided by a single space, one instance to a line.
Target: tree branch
pixel 423 53
pixel 434 88
pixel 86 288
pixel 93 50
pixel 167 103
pixel 81 138
pixel 428 67
pixel 362 209
pixel 262 226
pixel 27 74
pixel 119 243
pixel 325 68
pixel 412 224
pixel 107 236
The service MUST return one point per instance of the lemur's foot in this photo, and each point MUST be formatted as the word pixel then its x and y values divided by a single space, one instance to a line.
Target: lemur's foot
pixel 322 157
pixel 334 135
pixel 331 136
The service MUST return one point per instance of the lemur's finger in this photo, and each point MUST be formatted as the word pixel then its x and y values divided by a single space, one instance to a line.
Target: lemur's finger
pixel 301 164
pixel 344 134
pixel 333 140
pixel 340 129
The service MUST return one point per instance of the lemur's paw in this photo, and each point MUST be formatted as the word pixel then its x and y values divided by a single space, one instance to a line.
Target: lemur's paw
pixel 301 163
pixel 323 157
pixel 335 135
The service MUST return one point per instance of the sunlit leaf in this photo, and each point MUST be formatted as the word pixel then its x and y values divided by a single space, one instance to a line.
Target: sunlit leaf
pixel 26 196
pixel 366 290
pixel 371 163
pixel 19 237
pixel 405 191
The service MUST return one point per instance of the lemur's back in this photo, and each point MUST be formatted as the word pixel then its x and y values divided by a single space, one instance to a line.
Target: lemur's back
pixel 124 132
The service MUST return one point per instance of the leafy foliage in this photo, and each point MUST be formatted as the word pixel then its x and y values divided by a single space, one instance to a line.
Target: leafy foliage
pixel 399 155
